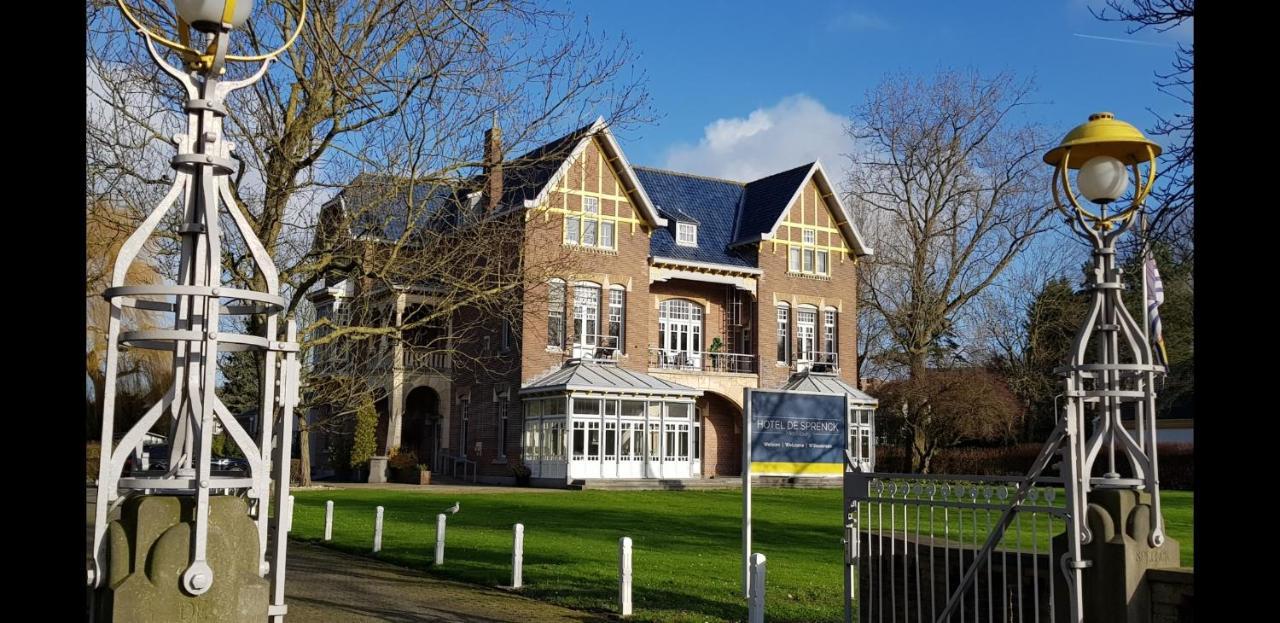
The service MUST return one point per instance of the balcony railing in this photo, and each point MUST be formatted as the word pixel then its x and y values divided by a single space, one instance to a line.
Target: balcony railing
pixel 687 361
pixel 831 361
pixel 425 360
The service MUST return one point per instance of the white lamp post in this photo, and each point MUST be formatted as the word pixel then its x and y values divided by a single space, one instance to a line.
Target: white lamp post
pixel 195 304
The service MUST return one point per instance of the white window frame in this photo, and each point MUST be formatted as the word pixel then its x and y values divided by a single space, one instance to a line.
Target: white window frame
pixel 591 228
pixel 586 319
pixel 830 333
pixel 806 333
pixel 687 234
pixel 555 310
pixel 784 331
pixel 620 306
pixel 806 257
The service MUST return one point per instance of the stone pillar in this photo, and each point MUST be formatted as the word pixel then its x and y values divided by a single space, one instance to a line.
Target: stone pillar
pixel 149 547
pixel 1115 587
pixel 395 401
pixel 378 469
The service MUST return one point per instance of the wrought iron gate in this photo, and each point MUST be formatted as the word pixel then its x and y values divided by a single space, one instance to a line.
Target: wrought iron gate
pixel 957 548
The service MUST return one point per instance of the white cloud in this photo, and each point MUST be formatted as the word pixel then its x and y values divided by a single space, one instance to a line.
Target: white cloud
pixel 796 130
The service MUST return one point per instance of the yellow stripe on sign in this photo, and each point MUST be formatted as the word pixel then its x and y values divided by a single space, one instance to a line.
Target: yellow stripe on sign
pixel 796 469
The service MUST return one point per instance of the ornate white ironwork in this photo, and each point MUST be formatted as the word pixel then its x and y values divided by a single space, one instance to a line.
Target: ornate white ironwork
pixel 197 304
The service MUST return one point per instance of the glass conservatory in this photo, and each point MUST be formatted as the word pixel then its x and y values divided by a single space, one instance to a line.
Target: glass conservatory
pixel 596 420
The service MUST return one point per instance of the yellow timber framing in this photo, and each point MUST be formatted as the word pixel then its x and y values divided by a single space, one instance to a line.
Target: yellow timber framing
pixel 562 186
pixel 792 226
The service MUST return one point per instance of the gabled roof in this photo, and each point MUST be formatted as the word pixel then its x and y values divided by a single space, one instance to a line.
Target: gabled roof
pixel 710 203
pixel 525 176
pixel 767 199
pixel 613 154
pixel 581 375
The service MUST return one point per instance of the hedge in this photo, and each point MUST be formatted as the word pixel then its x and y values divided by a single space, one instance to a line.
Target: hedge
pixel 1176 462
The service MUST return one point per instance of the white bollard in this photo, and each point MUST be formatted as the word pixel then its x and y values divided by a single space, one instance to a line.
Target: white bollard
pixel 755 605
pixel 290 524
pixel 624 576
pixel 328 520
pixel 517 557
pixel 377 531
pixel 440 539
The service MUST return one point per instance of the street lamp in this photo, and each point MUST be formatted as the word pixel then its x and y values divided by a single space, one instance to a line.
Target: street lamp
pixel 1120 370
pixel 196 303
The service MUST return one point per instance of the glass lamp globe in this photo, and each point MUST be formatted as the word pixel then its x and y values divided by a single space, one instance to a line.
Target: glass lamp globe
pixel 1102 179
pixel 206 15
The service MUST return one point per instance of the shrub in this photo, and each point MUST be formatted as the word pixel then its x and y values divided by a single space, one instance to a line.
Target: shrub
pixel 402 460
pixel 1177 468
pixel 92 454
pixel 364 442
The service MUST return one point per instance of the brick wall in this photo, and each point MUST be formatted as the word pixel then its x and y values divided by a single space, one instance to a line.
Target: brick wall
pixel 838 290
pixel 628 266
pixel 721 437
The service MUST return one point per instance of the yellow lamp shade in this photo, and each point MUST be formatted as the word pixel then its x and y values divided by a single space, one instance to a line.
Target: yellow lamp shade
pixel 1103 135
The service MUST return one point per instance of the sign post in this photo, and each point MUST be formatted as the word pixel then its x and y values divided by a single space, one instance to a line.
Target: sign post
pixel 788 433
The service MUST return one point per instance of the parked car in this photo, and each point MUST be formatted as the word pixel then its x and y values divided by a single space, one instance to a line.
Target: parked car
pixel 230 463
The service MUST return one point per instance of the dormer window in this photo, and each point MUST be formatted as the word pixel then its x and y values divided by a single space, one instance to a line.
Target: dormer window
pixel 686 234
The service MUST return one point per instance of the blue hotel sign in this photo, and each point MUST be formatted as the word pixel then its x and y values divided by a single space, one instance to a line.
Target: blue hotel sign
pixel 796 434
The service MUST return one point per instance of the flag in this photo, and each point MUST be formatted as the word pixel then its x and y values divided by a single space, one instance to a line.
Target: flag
pixel 1155 297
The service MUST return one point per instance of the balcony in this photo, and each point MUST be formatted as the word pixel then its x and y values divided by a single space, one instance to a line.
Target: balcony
pixel 425 360
pixel 829 362
pixel 686 361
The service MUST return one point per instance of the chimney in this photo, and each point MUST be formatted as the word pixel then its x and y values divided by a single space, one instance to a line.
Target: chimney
pixel 493 166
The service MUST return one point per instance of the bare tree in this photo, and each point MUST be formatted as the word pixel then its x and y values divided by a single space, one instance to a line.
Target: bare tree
pixel 1174 194
pixel 944 408
pixel 948 185
pixel 398 89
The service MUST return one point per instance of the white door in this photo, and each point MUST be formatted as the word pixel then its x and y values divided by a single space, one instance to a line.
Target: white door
pixel 680 334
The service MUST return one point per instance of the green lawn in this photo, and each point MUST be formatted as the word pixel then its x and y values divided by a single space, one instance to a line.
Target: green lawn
pixel 687 544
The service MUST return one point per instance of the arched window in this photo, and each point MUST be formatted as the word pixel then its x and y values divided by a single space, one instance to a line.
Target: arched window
pixel 680 334
pixel 586 319
pixel 806 332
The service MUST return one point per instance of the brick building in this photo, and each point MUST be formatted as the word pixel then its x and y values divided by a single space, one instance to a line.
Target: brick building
pixel 676 293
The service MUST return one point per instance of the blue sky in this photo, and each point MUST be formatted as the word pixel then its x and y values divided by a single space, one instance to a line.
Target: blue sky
pixel 753 87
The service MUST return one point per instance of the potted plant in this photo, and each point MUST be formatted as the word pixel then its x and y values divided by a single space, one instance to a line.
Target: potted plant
pixel 522 474
pixel 716 347
pixel 424 474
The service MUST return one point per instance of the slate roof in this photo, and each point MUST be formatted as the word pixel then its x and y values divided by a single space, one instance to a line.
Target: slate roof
pixel 382 210
pixel 381 207
pixel 524 176
pixel 826 383
pixel 728 214
pixel 766 198
pixel 605 377
pixel 709 203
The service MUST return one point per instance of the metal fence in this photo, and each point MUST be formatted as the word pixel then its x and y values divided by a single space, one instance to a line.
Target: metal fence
pixel 957 548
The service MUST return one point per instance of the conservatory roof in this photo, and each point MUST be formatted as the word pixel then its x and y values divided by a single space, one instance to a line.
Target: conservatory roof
pixel 605 377
pixel 827 383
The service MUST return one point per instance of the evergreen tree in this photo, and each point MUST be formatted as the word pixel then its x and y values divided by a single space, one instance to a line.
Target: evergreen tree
pixel 1052 319
pixel 364 442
